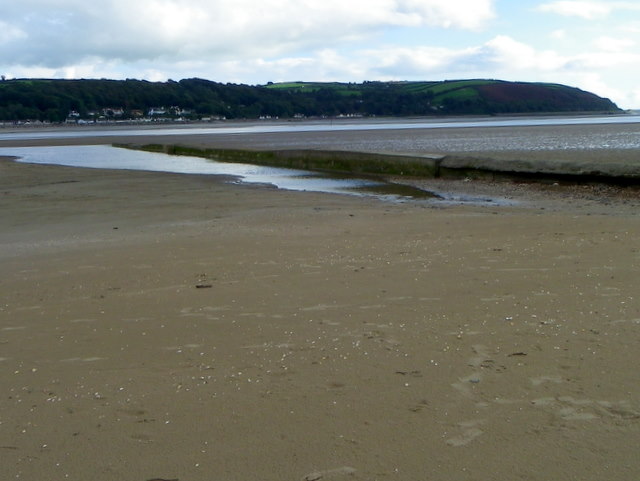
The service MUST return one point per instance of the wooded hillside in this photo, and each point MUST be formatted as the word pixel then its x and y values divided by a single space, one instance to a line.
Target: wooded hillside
pixel 74 100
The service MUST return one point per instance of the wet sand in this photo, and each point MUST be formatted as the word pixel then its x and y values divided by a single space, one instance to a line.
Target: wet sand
pixel 161 326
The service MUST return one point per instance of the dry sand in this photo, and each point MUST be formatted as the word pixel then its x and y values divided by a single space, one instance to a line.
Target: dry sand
pixel 160 326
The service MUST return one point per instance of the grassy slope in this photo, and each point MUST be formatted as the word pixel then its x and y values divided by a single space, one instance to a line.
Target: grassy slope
pixel 491 90
pixel 450 88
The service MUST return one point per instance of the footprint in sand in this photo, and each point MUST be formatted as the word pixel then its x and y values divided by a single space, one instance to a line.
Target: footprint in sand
pixel 143 438
pixel 320 307
pixel 465 385
pixel 330 473
pixel 537 381
pixel 470 431
pixel 84 359
pixel 571 409
pixel 208 312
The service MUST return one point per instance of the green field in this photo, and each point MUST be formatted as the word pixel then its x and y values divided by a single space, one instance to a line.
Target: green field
pixel 438 91
pixel 423 87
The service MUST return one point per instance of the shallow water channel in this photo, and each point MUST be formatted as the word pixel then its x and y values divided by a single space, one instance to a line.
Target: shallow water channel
pixel 108 157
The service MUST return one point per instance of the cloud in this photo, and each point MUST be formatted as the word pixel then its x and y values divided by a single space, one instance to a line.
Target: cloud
pixel 587 9
pixel 398 63
pixel 611 44
pixel 10 33
pixel 504 52
pixel 628 61
pixel 559 34
pixel 593 82
pixel 631 27
pixel 510 57
pixel 465 14
pixel 501 56
pixel 57 33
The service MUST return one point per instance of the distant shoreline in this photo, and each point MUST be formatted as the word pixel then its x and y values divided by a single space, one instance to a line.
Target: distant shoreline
pixel 158 124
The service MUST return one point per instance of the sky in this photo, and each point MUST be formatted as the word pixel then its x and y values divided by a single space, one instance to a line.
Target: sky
pixel 590 44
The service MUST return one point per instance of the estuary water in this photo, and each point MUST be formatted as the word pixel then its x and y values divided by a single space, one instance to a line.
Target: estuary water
pixel 339 125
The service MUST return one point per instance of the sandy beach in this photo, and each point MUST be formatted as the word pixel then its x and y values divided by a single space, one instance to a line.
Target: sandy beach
pixel 159 326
